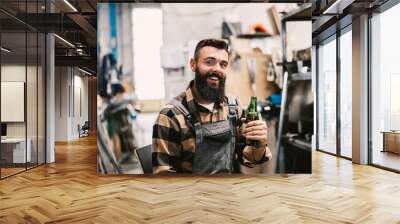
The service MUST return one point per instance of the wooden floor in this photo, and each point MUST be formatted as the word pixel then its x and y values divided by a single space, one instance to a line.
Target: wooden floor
pixel 387 159
pixel 70 191
pixel 10 171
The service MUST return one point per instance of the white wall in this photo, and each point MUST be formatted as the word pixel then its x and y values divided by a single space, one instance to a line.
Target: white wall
pixel 33 126
pixel 80 96
pixel 299 35
pixel 61 103
pixel 185 24
pixel 70 83
pixel 10 73
pixel 16 73
pixel 196 21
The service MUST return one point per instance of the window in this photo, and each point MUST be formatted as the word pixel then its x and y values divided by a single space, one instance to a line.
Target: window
pixel 147 42
pixel 385 88
pixel 346 94
pixel 327 96
pixel 22 77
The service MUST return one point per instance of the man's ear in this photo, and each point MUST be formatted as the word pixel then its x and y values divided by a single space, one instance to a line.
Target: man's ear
pixel 193 64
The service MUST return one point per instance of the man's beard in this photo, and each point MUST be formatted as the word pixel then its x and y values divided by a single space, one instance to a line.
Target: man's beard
pixel 210 93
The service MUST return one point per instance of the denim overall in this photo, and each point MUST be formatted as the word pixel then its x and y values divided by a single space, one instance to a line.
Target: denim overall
pixel 215 142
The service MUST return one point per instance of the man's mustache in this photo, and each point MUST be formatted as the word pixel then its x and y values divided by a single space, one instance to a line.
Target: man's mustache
pixel 214 74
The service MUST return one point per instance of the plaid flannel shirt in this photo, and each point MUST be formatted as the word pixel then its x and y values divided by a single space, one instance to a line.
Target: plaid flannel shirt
pixel 174 141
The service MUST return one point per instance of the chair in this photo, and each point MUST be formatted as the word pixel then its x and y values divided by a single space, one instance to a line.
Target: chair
pixel 145 158
pixel 84 130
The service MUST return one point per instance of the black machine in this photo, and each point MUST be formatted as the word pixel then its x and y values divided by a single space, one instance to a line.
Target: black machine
pixel 3 129
pixel 269 108
pixel 84 129
pixel 295 125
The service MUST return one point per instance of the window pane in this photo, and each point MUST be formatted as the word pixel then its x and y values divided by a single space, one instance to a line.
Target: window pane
pixel 31 97
pixel 327 97
pixel 345 94
pixel 14 153
pixel 41 99
pixel 385 89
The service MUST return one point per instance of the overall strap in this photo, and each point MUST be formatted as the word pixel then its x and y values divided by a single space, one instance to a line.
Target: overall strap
pixel 232 107
pixel 178 104
pixel 193 110
pixel 233 116
pixel 190 120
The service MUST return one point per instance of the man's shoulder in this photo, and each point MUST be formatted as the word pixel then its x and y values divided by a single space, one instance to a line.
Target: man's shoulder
pixel 171 109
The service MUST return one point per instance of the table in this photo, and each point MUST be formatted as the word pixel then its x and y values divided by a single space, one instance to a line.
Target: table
pixel 13 150
pixel 391 141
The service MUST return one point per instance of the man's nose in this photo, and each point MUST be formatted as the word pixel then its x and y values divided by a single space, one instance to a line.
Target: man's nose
pixel 217 69
pixel 217 72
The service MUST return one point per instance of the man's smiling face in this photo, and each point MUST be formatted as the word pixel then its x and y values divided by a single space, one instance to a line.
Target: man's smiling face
pixel 210 72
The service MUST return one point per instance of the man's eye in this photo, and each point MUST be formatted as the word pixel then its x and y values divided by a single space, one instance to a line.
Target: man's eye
pixel 224 65
pixel 209 62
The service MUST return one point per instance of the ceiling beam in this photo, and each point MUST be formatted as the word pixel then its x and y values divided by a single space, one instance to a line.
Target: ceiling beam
pixel 83 61
pixel 86 27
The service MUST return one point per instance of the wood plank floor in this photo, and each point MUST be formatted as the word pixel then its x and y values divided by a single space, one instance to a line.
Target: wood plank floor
pixel 10 171
pixel 70 191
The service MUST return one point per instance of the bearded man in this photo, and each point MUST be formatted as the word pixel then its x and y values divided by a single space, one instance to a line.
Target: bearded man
pixel 201 130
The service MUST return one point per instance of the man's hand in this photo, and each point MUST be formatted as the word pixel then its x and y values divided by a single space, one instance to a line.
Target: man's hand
pixel 256 130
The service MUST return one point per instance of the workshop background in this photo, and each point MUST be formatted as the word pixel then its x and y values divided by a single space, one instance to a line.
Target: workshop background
pixel 143 59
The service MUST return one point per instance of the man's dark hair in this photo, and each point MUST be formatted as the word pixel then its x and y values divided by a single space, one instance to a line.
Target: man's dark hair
pixel 217 43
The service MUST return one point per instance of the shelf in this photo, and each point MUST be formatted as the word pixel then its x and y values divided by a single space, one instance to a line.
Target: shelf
pixel 298 143
pixel 254 35
pixel 303 13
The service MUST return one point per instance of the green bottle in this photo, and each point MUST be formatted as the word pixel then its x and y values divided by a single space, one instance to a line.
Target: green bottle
pixel 252 115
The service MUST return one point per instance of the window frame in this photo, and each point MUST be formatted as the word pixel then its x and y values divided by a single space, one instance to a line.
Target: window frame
pixel 333 37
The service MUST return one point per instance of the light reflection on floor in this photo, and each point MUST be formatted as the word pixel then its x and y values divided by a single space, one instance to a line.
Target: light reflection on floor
pixel 386 159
